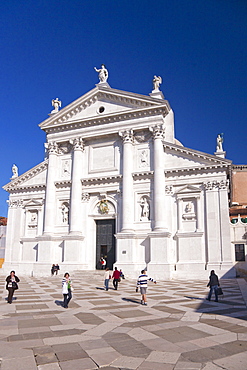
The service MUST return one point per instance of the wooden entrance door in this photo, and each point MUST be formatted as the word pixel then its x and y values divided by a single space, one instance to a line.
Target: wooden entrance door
pixel 105 242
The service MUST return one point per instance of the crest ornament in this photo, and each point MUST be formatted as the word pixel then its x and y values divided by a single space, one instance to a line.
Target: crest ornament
pixel 103 207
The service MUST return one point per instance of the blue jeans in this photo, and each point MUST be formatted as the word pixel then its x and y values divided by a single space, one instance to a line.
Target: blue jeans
pixel 213 289
pixel 67 298
pixel 106 284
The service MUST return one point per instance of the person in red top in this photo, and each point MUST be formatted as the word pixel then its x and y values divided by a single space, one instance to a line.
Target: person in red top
pixel 116 278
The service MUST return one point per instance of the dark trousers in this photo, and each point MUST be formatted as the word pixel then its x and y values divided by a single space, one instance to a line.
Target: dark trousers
pixel 213 289
pixel 67 298
pixel 115 283
pixel 10 295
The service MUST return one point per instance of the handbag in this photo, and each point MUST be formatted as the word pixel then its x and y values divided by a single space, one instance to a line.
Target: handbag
pixel 219 291
pixel 14 285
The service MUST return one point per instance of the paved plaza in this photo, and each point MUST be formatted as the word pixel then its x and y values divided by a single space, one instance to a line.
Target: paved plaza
pixel 101 329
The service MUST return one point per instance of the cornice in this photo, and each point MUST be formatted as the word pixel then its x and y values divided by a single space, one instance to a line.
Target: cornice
pixel 63 184
pixel 33 187
pixel 239 167
pixel 101 179
pixel 62 125
pixel 195 169
pixel 196 153
pixel 141 175
pixel 15 184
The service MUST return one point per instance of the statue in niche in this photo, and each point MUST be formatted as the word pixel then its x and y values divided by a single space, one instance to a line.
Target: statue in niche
pixel 65 213
pixel 157 81
pixel 103 73
pixel 145 209
pixel 103 206
pixel 14 171
pixel 219 146
pixel 56 104
pixel 143 158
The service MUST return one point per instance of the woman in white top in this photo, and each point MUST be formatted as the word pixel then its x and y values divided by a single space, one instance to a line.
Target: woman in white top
pixel 107 277
pixel 66 289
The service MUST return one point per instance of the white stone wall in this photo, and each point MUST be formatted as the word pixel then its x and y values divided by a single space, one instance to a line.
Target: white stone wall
pixel 170 203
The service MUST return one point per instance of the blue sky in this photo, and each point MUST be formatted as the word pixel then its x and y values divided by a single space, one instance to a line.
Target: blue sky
pixel 49 49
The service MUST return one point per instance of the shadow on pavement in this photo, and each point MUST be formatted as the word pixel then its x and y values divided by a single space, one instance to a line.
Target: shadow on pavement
pixel 59 303
pixel 137 301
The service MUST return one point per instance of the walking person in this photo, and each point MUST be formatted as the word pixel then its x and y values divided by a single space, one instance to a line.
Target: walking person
pixel 107 277
pixel 103 263
pixel 56 268
pixel 121 274
pixel 52 269
pixel 213 284
pixel 11 285
pixel 66 289
pixel 116 278
pixel 142 283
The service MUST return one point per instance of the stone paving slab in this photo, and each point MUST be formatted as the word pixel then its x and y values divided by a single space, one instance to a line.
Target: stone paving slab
pixel 178 330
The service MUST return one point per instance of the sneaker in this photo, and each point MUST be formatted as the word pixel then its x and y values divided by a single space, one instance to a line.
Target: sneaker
pixel 145 304
pixel 142 302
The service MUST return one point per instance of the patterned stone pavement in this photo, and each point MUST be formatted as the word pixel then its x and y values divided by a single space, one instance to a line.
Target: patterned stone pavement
pixel 178 329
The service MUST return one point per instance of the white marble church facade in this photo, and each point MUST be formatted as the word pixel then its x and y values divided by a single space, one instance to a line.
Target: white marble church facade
pixel 117 183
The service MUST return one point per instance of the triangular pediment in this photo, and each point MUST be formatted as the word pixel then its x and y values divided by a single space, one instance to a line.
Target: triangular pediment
pixel 34 178
pixel 33 203
pixel 102 102
pixel 188 189
pixel 181 158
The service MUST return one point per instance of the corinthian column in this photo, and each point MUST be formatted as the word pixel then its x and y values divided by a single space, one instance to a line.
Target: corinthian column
pixel 127 198
pixel 50 194
pixel 159 178
pixel 75 197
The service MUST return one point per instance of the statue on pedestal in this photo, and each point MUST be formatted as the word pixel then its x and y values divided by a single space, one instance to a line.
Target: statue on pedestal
pixel 219 147
pixel 14 171
pixel 103 73
pixel 56 104
pixel 157 81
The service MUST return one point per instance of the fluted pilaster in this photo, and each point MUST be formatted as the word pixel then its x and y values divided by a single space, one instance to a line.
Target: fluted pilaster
pixel 50 194
pixel 127 198
pixel 75 199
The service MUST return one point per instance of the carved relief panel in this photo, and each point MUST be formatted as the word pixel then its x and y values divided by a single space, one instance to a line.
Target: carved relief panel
pixel 66 168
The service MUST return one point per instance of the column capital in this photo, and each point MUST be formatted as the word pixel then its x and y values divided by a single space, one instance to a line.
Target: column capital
pixel 78 143
pixel 158 131
pixel 127 136
pixel 53 148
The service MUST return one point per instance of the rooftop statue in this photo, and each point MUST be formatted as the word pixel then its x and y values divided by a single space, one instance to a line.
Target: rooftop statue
pixel 14 171
pixel 56 104
pixel 219 147
pixel 103 73
pixel 157 81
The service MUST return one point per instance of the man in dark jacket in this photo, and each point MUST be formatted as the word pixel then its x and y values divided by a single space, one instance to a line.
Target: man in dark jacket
pixel 213 284
pixel 11 285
